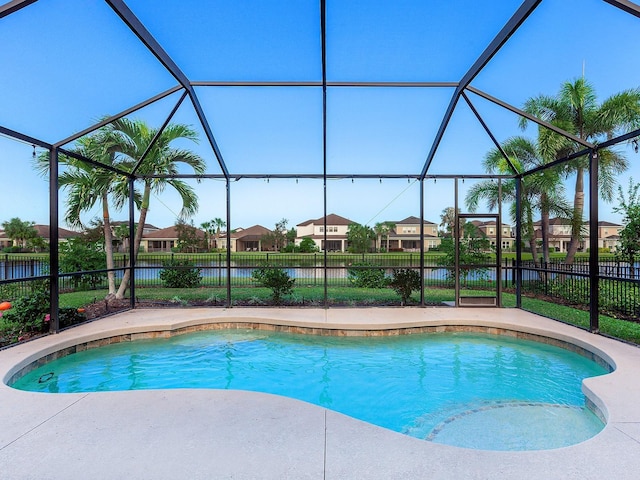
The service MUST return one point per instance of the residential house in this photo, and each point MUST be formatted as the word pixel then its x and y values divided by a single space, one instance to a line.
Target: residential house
pixel 63 234
pixel 148 228
pixel 4 240
pixel 405 237
pixel 337 227
pixel 250 239
pixel 165 239
pixel 560 234
pixel 43 232
pixel 608 234
pixel 490 230
pixel 122 244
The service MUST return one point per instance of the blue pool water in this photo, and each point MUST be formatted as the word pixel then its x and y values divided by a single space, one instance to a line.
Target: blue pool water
pixel 470 390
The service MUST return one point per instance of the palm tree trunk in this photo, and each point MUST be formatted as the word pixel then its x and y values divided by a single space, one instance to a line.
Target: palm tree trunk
pixel 544 227
pixel 531 234
pixel 576 222
pixel 124 284
pixel 108 244
pixel 545 233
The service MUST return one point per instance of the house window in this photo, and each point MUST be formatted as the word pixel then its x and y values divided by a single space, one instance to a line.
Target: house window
pixel 409 229
pixel 491 231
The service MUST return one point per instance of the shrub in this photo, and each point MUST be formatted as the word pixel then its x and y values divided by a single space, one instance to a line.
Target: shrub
pixel 404 282
pixel 180 273
pixel 29 311
pixel 29 314
pixel 308 246
pixel 366 275
pixel 277 279
pixel 79 255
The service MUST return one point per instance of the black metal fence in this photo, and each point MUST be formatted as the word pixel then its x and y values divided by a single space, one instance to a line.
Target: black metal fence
pixel 619 285
pixel 308 270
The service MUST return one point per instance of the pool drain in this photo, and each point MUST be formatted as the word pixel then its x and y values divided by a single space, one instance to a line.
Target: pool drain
pixel 46 377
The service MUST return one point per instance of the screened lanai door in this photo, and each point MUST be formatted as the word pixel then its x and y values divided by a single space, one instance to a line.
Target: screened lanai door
pixel 479 240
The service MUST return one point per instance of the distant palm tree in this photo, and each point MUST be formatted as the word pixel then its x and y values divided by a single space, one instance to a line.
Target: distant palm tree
pixel 219 224
pixel 576 110
pixel 359 238
pixel 19 231
pixel 207 227
pixel 390 227
pixel 121 232
pixel 163 159
pixel 382 229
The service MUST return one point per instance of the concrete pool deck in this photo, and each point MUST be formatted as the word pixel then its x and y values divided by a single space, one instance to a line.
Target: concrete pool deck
pixel 215 434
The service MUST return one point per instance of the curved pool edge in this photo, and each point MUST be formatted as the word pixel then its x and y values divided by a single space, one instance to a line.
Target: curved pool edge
pixel 614 394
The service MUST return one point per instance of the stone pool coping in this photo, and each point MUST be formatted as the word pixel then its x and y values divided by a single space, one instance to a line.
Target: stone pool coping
pixel 235 434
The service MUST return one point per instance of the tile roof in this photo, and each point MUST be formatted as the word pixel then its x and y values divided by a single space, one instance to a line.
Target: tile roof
pixel 412 220
pixel 251 233
pixel 43 231
pixel 169 232
pixel 332 219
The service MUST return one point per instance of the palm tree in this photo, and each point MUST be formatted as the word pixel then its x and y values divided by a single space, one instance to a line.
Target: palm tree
pixel 448 220
pixel 162 159
pixel 219 224
pixel 381 229
pixel 576 110
pixel 121 232
pixel 88 186
pixel 20 231
pixel 359 237
pixel 542 192
pixel 390 227
pixel 207 227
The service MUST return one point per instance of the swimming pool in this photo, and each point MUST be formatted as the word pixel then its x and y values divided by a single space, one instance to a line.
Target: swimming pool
pixel 471 390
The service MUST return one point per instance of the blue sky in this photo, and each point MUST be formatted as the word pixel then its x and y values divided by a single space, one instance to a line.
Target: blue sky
pixel 66 63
